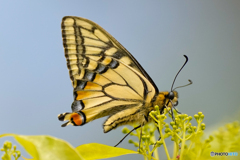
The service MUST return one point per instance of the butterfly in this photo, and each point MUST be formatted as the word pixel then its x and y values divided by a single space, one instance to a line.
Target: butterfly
pixel 107 80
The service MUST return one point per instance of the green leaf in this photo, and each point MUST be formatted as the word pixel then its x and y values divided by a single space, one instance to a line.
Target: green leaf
pixel 99 151
pixel 46 147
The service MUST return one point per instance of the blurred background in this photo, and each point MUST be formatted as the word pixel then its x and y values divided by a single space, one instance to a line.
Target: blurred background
pixel 35 85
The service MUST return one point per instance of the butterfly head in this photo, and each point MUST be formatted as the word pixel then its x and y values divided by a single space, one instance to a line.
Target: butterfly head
pixel 166 99
pixel 75 118
pixel 172 97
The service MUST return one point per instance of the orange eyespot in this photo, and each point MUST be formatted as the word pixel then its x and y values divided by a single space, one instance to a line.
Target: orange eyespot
pixel 76 119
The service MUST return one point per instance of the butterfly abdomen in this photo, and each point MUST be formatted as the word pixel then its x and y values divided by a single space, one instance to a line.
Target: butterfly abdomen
pixel 134 114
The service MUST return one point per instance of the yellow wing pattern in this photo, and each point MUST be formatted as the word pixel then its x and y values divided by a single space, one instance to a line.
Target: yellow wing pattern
pixel 106 78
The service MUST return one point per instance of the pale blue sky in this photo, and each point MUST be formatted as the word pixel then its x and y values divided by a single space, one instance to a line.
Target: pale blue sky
pixel 35 86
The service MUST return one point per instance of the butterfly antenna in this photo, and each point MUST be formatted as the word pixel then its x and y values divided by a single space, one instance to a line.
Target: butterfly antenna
pixel 127 135
pixel 179 71
pixel 190 82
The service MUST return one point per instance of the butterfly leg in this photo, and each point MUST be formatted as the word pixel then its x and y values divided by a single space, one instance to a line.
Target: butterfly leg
pixel 140 138
pixel 171 110
pixel 127 135
pixel 156 143
pixel 177 110
pixel 173 106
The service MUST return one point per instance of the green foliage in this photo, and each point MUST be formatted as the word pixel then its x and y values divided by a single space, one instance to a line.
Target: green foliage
pixel 227 139
pixel 9 152
pixel 93 151
pixel 188 140
pixel 46 147
pixel 49 148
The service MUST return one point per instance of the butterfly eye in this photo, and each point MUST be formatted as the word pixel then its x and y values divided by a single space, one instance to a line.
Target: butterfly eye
pixel 171 95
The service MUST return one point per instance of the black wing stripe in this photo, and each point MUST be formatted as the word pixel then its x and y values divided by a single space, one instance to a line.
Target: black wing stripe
pixel 119 47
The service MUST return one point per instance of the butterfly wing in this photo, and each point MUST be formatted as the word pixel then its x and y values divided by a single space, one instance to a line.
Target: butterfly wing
pixel 107 79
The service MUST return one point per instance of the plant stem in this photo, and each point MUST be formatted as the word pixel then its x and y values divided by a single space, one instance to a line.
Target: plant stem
pixel 174 150
pixel 164 144
pixel 154 150
pixel 183 141
pixel 190 145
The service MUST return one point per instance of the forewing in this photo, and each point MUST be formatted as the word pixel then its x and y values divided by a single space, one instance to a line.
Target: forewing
pixel 82 37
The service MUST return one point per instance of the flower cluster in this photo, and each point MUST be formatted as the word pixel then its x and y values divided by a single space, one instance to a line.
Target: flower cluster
pixel 8 151
pixel 186 137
